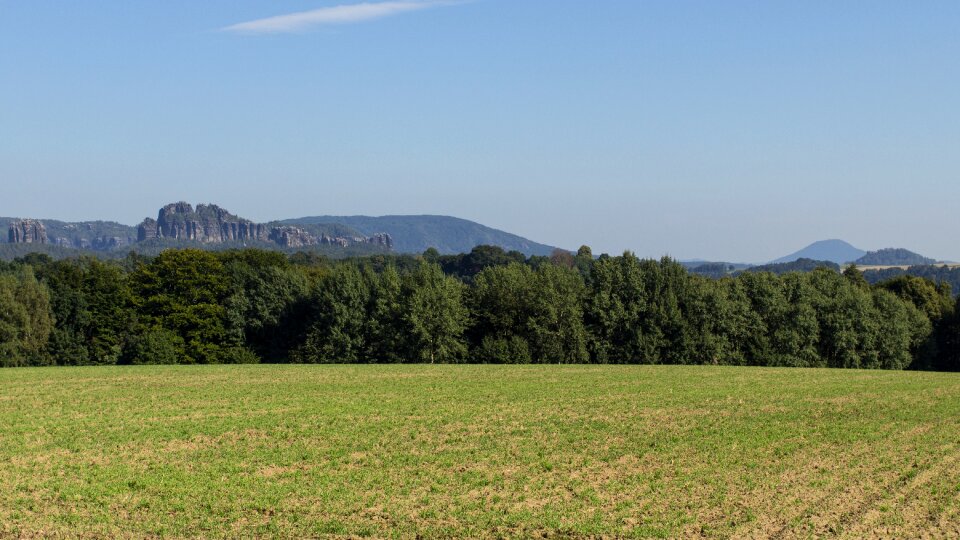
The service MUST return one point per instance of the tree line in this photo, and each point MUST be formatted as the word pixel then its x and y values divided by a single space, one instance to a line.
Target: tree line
pixel 936 273
pixel 188 306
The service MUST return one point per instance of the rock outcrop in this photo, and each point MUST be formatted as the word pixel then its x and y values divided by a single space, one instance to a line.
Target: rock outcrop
pixel 27 231
pixel 210 224
pixel 381 239
pixel 207 224
pixel 147 230
pixel 106 243
pixel 293 237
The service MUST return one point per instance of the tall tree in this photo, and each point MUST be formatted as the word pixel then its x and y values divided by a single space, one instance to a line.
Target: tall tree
pixel 523 315
pixel 25 319
pixel 266 302
pixel 435 314
pixel 184 291
pixel 93 307
pixel 339 332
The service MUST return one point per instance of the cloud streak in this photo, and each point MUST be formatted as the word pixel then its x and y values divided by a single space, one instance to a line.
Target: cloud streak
pixel 343 14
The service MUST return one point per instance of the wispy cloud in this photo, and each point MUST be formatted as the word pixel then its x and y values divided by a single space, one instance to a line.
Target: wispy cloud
pixel 348 13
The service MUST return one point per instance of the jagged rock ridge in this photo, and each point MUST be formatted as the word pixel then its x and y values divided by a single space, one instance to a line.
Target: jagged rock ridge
pixel 27 231
pixel 206 224
pixel 209 223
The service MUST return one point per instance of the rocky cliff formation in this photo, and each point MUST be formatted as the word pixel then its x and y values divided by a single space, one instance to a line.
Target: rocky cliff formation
pixel 292 237
pixel 212 224
pixel 27 231
pixel 147 230
pixel 381 239
pixel 207 224
pixel 99 243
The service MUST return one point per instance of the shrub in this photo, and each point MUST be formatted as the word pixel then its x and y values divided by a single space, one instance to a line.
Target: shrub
pixel 155 346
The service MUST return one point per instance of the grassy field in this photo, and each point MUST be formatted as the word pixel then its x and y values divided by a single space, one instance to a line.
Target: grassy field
pixel 480 451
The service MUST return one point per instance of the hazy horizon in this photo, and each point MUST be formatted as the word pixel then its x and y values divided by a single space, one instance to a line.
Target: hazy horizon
pixel 700 130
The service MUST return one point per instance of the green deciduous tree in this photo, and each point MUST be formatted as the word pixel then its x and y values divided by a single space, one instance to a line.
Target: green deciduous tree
pixel 266 302
pixel 25 319
pixel 537 315
pixel 341 302
pixel 93 307
pixel 184 291
pixel 434 314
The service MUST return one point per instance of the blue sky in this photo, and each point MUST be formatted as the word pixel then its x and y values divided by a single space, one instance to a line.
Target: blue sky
pixel 733 130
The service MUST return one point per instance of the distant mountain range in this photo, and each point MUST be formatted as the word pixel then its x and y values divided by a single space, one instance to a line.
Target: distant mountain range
pixel 840 252
pixel 211 227
pixel 835 251
pixel 826 253
pixel 208 226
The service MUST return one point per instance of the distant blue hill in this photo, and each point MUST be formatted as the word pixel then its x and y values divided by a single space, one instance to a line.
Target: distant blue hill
pixel 836 251
pixel 415 234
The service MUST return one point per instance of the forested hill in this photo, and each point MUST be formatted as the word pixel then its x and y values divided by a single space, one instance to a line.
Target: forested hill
pixel 416 234
pixel 836 251
pixel 894 257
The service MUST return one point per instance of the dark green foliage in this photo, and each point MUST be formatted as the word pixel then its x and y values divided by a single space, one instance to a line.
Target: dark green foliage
pixel 360 316
pixel 635 311
pixel 434 315
pixel 949 351
pixel 238 355
pixel 266 302
pixel 902 333
pixel 380 263
pixel 36 260
pixel 936 302
pixel 944 276
pixel 489 306
pixel 13 252
pixel 855 276
pixel 555 323
pixel 466 266
pixel 185 291
pixel 503 350
pixel 93 307
pixel 535 315
pixel 155 346
pixel 714 270
pixel 795 328
pixel 386 326
pixel 799 265
pixel 340 303
pixel 583 261
pixel 25 319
